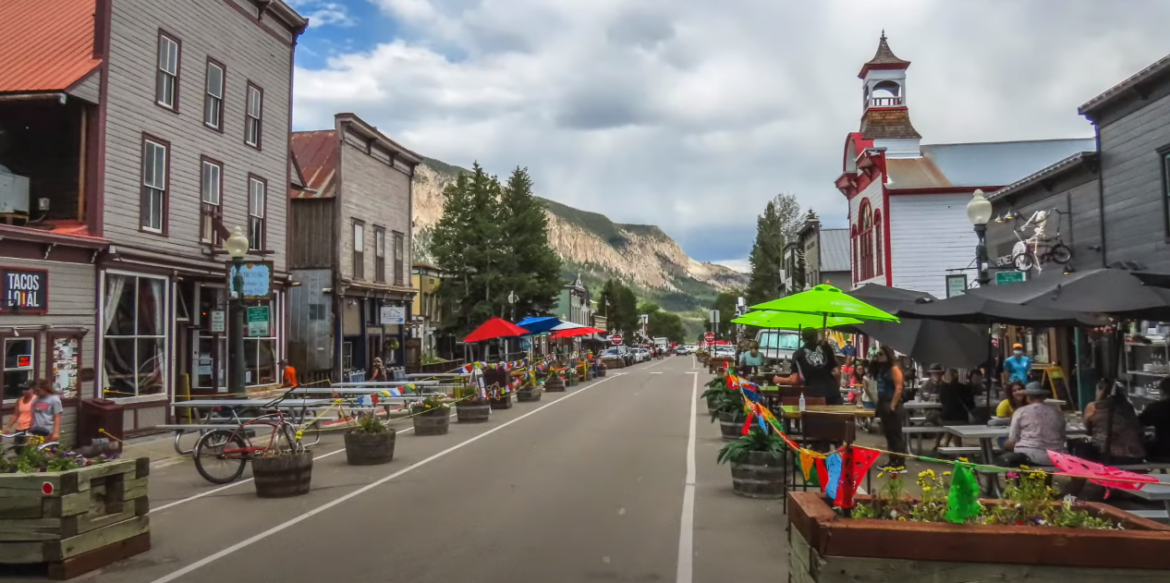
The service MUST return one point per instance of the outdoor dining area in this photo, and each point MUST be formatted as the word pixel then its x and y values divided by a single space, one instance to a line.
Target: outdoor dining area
pixel 931 382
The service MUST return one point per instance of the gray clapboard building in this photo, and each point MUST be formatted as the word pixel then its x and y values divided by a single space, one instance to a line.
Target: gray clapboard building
pixel 352 220
pixel 138 133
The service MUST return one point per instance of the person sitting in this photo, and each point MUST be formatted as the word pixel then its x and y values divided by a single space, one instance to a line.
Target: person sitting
pixel 958 406
pixel 1123 432
pixel 752 358
pixel 933 384
pixel 1036 429
pixel 1015 399
pixel 1157 415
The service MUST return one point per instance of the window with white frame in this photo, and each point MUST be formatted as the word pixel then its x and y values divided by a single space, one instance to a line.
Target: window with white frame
pixel 254 120
pixel 399 253
pixel 166 92
pixel 257 201
pixel 134 342
pixel 211 186
pixel 359 250
pixel 379 254
pixel 19 365
pixel 154 184
pixel 260 352
pixel 213 98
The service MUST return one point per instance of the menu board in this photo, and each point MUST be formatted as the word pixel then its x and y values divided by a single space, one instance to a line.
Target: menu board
pixel 66 362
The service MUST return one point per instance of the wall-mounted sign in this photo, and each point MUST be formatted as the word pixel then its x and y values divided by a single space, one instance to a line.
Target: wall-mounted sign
pixel 1008 277
pixel 258 321
pixel 956 285
pixel 257 276
pixel 218 321
pixel 391 315
pixel 24 290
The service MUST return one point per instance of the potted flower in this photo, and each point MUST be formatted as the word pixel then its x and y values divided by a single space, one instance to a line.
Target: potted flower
pixel 529 391
pixel 1030 533
pixel 431 416
pixel 281 472
pixel 716 389
pixel 729 410
pixel 471 406
pixel 555 382
pixel 757 464
pixel 371 443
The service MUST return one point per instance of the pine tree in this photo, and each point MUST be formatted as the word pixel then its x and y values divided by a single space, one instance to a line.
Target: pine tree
pixel 533 268
pixel 622 311
pixel 774 228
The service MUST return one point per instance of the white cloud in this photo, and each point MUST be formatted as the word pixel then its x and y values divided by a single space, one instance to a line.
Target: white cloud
pixel 322 13
pixel 740 265
pixel 691 114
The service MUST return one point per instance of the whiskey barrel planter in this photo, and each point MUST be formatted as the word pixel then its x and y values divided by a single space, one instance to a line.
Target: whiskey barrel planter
pixel 528 394
pixel 824 547
pixel 601 371
pixel 433 422
pixel 473 411
pixel 369 449
pixel 555 384
pixel 731 425
pixel 503 402
pixel 761 476
pixel 75 521
pixel 283 476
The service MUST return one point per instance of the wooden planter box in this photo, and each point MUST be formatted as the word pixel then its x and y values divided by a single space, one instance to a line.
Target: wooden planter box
pixel 75 521
pixel 824 547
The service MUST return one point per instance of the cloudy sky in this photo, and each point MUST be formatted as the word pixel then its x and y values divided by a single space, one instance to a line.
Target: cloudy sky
pixel 691 114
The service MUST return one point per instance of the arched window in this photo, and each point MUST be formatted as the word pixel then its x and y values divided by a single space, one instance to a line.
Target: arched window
pixel 866 237
pixel 879 267
pixel 854 266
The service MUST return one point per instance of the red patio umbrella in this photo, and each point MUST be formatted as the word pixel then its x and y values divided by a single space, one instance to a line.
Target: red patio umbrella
pixel 495 328
pixel 571 332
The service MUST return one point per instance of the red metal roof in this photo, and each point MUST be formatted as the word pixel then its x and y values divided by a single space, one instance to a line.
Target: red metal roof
pixel 47 46
pixel 317 153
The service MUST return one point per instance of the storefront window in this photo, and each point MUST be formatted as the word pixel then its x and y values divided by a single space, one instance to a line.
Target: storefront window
pixel 212 347
pixel 260 353
pixel 1041 353
pixel 19 364
pixel 134 345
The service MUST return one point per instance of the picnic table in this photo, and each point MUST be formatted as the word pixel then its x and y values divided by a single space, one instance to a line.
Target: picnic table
pixel 437 375
pixel 386 384
pixel 208 422
pixel 987 434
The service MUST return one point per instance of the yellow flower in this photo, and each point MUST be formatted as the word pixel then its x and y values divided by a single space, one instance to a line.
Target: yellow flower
pixel 901 519
pixel 946 473
pixel 926 488
pixel 921 474
pixel 1023 467
pixel 964 460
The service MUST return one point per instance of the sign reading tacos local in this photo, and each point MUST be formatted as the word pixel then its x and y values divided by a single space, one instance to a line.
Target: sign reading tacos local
pixel 24 290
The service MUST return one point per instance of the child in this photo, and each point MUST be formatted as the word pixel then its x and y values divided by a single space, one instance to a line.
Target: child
pixel 46 412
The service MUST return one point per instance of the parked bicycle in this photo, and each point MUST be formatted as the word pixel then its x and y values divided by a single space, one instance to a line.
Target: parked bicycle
pixel 1038 249
pixel 12 450
pixel 221 454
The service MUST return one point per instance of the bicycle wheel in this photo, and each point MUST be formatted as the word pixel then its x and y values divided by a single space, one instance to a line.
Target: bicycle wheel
pixel 1060 253
pixel 213 463
pixel 1023 261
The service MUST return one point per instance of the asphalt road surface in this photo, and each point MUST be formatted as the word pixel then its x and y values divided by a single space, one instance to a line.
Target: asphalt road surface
pixel 614 480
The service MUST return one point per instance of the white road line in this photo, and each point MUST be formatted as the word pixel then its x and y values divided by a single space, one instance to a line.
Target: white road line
pixel 247 480
pixel 660 363
pixel 686 533
pixel 656 372
pixel 337 501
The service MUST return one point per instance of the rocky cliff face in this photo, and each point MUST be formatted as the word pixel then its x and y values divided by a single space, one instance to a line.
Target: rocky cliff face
pixel 641 255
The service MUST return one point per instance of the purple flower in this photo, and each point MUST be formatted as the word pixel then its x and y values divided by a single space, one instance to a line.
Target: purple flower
pixel 68 454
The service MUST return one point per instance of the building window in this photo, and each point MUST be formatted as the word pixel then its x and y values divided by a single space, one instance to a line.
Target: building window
pixel 155 181
pixel 853 253
pixel 1166 187
pixel 318 311
pixel 211 187
pixel 19 365
pixel 879 265
pixel 359 250
pixel 347 356
pixel 213 100
pixel 260 354
pixel 253 123
pixel 257 202
pixel 866 238
pixel 379 254
pixel 134 342
pixel 399 253
pixel 166 92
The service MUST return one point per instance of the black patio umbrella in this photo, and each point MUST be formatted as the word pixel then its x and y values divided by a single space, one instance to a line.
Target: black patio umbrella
pixel 1104 290
pixel 947 343
pixel 1154 279
pixel 973 308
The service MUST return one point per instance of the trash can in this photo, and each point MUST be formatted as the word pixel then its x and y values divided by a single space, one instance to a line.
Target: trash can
pixel 95 415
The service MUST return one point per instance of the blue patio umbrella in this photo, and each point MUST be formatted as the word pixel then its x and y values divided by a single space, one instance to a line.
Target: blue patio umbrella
pixel 538 324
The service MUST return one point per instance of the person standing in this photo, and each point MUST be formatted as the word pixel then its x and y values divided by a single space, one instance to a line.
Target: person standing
pixel 1017 367
pixel 378 372
pixel 888 375
pixel 23 417
pixel 816 367
pixel 290 376
pixel 46 412
pixel 849 352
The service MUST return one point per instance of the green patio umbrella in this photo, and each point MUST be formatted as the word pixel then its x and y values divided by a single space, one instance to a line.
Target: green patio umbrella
pixel 790 320
pixel 827 302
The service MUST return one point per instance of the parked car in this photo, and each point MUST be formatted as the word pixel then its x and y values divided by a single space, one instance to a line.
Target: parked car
pixel 681 350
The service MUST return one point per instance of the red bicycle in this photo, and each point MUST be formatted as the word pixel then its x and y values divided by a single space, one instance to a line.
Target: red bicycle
pixel 222 454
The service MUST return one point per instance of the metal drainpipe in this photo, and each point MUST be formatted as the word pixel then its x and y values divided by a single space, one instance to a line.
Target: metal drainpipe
pixel 1100 192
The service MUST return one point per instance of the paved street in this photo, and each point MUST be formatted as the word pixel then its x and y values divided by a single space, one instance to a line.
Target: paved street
pixel 593 488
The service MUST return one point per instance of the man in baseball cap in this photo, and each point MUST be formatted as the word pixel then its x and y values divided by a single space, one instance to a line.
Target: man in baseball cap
pixel 1017 367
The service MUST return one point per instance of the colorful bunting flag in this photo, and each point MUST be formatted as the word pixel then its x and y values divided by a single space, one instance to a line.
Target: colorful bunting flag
pixel 963 499
pixel 1081 467
pixel 833 465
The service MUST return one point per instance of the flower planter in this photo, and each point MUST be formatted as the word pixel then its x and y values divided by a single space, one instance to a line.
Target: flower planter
pixel 432 422
pixel 554 383
pixel 601 371
pixel 369 449
pixel 473 411
pixel 712 402
pixel 75 521
pixel 528 394
pixel 731 425
pixel 761 476
pixel 573 379
pixel 826 547
pixel 283 476
pixel 503 402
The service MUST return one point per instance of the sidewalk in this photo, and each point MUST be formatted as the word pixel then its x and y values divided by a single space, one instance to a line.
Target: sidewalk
pixel 159 448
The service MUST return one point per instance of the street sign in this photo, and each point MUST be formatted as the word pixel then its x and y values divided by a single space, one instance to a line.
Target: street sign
pixel 1007 277
pixel 710 337
pixel 715 317
pixel 391 315
pixel 218 321
pixel 257 321
pixel 956 285
pixel 616 339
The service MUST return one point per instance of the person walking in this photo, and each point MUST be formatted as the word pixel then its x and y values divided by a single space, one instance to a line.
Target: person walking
pixel 47 410
pixel 887 375
pixel 378 371
pixel 22 418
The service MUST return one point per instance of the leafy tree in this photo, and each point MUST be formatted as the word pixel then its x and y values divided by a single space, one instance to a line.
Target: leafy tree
pixel 533 268
pixel 660 323
pixel 622 311
pixel 777 225
pixel 725 302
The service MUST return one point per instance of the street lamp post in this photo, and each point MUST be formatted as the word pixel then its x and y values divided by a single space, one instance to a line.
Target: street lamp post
pixel 979 213
pixel 237 247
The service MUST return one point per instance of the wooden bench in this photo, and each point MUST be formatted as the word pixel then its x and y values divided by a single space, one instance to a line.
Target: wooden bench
pixel 966 450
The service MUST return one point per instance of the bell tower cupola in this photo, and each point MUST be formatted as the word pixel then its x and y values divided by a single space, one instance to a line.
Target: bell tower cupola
pixel 885 117
pixel 884 78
